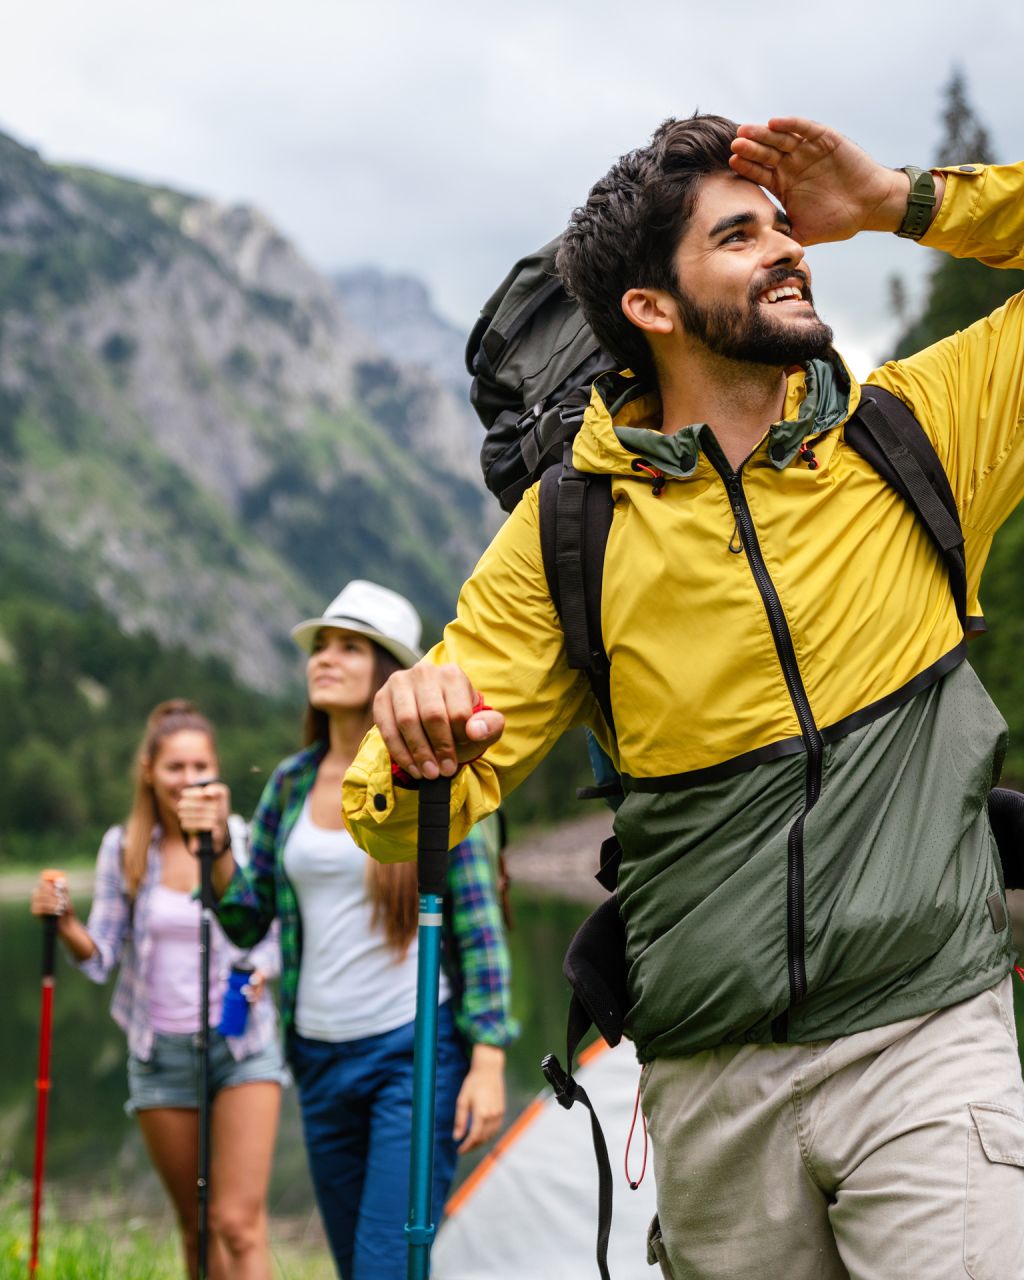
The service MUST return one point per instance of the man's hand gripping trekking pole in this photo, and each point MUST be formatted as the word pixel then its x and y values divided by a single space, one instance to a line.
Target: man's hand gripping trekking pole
pixel 828 186
pixel 432 720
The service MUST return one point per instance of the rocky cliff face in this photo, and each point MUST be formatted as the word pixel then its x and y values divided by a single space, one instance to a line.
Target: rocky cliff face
pixel 215 439
pixel 397 313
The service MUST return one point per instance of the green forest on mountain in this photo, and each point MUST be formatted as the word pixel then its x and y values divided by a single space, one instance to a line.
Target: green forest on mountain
pixel 75 689
pixel 75 692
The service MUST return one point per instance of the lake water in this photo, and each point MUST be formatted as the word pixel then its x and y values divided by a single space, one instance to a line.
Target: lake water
pixel 93 1149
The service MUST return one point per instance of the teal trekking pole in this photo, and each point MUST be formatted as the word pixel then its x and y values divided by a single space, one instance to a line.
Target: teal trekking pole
pixel 432 877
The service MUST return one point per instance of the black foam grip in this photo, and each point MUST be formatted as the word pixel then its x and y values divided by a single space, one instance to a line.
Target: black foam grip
pixel 206 870
pixel 49 945
pixel 433 835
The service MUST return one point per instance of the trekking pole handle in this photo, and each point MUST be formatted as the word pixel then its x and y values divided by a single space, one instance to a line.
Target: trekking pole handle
pixel 206 870
pixel 60 884
pixel 433 836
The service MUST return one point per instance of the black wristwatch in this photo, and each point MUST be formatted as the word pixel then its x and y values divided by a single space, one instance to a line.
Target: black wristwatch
pixel 920 203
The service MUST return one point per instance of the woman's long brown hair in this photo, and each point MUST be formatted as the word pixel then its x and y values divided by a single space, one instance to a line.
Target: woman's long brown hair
pixel 165 719
pixel 392 886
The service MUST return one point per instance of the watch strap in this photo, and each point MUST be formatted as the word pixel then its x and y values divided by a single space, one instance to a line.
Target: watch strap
pixel 920 203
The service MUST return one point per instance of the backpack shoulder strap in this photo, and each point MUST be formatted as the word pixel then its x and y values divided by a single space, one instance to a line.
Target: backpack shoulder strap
pixel 575 518
pixel 885 433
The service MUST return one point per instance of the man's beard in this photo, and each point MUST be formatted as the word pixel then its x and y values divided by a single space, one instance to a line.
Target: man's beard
pixel 752 334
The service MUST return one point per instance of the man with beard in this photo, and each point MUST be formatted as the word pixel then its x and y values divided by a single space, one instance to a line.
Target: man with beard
pixel 817 939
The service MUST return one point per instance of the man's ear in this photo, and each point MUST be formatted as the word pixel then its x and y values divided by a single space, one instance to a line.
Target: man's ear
pixel 652 310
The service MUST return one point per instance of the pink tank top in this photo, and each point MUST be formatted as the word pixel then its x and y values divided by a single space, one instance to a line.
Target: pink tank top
pixel 173 977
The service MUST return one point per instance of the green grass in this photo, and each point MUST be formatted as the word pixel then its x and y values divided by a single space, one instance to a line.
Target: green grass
pixel 108 1248
pixel 83 1251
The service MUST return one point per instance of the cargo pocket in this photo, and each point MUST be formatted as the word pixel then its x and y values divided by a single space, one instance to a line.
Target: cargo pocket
pixel 656 1255
pixel 994 1216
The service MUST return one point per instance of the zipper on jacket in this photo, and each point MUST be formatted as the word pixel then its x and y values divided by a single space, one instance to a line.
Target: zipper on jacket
pixel 808 729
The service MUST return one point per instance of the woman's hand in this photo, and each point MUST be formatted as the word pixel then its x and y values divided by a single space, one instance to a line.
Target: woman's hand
pixel 205 808
pixel 255 987
pixel 50 897
pixel 480 1106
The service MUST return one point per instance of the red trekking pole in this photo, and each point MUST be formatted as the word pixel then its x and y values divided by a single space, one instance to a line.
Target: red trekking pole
pixel 56 878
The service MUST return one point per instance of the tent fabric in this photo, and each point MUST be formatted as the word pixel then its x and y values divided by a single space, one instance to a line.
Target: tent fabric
pixel 529 1209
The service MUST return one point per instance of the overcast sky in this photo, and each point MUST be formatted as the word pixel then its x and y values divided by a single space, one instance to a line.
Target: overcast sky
pixel 448 138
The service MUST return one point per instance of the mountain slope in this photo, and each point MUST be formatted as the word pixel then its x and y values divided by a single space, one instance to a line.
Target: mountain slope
pixel 397 313
pixel 188 412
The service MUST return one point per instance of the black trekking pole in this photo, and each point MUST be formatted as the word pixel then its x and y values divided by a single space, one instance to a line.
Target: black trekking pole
pixel 203 1042
pixel 432 878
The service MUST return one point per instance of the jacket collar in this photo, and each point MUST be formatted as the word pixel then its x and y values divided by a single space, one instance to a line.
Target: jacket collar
pixel 623 422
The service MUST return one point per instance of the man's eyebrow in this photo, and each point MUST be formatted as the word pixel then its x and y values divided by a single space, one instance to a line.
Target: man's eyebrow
pixel 730 222
pixel 745 219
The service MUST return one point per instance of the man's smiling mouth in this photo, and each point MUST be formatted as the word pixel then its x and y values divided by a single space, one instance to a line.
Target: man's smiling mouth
pixel 782 293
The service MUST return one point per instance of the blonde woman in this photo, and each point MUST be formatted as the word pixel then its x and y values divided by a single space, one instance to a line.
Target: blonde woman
pixel 145 919
pixel 348 940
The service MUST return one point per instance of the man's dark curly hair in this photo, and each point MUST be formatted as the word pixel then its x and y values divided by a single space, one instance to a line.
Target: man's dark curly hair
pixel 626 234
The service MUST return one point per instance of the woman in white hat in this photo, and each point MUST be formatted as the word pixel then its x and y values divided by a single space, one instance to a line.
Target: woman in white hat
pixel 348 943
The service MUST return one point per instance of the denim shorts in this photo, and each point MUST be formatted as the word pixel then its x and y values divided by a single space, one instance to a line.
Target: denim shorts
pixel 170 1076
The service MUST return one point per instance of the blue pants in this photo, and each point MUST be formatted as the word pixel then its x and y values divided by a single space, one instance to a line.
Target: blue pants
pixel 356 1103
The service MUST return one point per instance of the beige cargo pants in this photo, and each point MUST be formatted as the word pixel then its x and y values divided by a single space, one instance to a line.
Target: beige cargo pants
pixel 892 1154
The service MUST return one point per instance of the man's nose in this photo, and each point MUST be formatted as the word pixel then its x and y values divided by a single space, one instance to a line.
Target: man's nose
pixel 784 250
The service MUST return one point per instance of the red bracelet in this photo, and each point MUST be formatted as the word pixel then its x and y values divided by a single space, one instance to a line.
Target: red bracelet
pixel 400 778
pixel 479 705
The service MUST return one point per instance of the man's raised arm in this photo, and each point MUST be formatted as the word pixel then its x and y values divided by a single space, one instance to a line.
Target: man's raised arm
pixel 830 188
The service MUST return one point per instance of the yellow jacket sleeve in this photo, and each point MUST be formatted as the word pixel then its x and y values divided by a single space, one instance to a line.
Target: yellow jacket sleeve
pixel 515 657
pixel 967 391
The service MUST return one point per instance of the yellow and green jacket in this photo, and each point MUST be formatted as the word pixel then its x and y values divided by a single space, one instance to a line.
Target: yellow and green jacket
pixel 806 752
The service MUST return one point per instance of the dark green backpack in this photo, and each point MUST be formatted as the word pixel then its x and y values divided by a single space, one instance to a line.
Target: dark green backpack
pixel 532 358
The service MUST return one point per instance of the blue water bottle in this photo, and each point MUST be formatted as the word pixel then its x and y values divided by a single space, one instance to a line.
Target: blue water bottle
pixel 236 1007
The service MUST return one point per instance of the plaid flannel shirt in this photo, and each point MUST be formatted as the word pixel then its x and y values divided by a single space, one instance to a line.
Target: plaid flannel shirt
pixel 475 956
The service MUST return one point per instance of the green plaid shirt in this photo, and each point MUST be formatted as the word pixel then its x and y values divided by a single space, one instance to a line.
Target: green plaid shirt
pixel 475 955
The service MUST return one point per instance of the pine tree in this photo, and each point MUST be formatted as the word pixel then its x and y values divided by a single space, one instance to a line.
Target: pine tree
pixel 966 138
pixel 959 291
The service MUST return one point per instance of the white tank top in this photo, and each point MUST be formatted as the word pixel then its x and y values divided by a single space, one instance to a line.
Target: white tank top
pixel 351 983
pixel 174 963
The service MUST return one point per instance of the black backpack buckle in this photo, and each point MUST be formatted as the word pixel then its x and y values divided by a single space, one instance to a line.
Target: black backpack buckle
pixel 528 419
pixel 564 1086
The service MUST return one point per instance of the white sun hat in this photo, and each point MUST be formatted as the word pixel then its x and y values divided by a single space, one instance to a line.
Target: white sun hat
pixel 373 611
